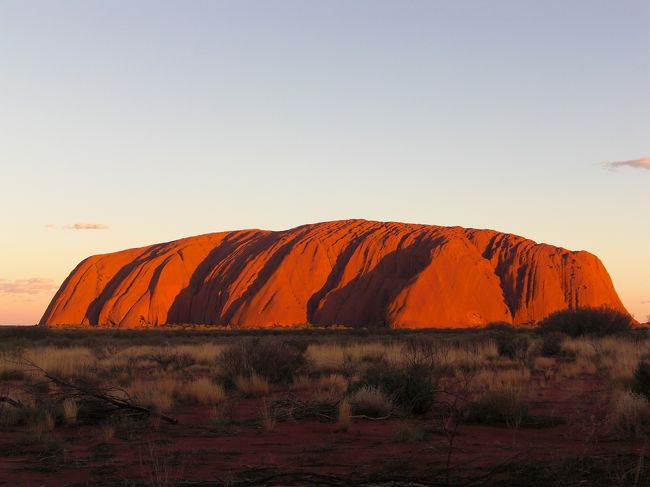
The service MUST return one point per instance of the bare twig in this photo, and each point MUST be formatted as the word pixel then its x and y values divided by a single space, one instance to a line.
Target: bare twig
pixel 102 395
pixel 14 402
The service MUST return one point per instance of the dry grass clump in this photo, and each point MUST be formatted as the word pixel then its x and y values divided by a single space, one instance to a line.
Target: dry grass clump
pixel 585 347
pixel 325 398
pixel 339 357
pixel 217 416
pixel 12 416
pixel 630 414
pixel 408 432
pixel 137 354
pixel 70 410
pixel 44 426
pixel 546 366
pixel 621 367
pixel 301 383
pixel 618 356
pixel 540 363
pixel 344 416
pixel 335 383
pixel 581 367
pixel 267 417
pixel 11 368
pixel 466 355
pixel 62 362
pixel 371 401
pixel 157 394
pixel 106 432
pixel 253 385
pixel 202 391
pixel 175 356
pixel 493 380
pixel 203 353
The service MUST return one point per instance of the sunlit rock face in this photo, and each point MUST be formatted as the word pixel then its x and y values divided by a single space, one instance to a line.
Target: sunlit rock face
pixel 357 273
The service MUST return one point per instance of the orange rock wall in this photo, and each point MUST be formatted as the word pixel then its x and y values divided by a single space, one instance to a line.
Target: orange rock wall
pixel 354 272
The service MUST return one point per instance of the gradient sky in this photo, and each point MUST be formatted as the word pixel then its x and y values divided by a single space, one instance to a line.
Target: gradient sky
pixel 161 120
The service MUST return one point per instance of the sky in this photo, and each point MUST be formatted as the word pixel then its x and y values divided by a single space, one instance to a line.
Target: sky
pixel 131 122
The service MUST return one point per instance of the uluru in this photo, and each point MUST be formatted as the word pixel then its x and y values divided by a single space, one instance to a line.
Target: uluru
pixel 355 273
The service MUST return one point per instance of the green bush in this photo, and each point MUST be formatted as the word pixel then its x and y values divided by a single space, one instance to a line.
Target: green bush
pixel 587 321
pixel 410 386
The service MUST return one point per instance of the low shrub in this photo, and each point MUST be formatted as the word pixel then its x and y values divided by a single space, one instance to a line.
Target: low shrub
pixel 92 411
pixel 641 383
pixel 500 327
pixel 410 386
pixel 503 406
pixel 552 344
pixel 276 360
pixel 587 321
pixel 512 345
pixel 13 374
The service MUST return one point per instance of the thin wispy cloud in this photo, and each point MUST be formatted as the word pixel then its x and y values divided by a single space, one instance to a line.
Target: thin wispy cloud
pixel 646 302
pixel 34 285
pixel 87 226
pixel 50 225
pixel 642 163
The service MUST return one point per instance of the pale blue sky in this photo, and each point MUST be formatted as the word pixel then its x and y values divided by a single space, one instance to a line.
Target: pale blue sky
pixel 169 119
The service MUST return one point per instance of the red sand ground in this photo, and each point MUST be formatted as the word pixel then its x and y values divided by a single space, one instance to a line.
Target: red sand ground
pixel 195 450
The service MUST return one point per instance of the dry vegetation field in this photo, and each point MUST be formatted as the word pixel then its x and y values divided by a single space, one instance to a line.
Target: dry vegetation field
pixel 498 406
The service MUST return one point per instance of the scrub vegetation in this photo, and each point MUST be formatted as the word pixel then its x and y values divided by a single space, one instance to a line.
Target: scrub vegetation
pixel 455 404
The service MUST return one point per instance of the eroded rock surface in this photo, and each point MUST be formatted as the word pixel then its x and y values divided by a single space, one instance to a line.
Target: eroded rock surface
pixel 353 272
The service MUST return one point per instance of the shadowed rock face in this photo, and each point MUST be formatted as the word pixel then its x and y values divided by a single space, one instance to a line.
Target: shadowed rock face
pixel 353 272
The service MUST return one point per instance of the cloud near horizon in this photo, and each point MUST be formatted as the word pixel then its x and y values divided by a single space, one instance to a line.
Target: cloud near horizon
pixel 87 226
pixel 642 163
pixel 34 285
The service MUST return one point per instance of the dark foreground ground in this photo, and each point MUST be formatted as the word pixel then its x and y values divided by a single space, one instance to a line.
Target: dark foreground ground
pixel 320 407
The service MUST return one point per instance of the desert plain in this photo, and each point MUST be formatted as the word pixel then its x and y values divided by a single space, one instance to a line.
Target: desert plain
pixel 193 405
